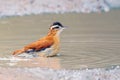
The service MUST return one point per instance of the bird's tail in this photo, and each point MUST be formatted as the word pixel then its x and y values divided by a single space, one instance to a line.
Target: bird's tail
pixel 17 52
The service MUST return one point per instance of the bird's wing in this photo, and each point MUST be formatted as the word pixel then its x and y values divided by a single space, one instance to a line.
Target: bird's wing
pixel 39 45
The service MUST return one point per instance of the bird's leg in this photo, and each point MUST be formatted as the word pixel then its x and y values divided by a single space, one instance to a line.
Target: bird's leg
pixel 53 53
pixel 50 53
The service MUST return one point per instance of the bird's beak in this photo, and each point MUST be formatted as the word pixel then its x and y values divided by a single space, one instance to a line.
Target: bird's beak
pixel 64 27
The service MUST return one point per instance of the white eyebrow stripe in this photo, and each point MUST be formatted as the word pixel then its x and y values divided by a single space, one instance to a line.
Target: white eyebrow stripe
pixel 55 26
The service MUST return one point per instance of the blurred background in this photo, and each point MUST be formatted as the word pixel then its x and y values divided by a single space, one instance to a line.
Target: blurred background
pixel 27 7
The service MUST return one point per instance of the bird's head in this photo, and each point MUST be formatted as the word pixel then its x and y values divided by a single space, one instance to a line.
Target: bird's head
pixel 58 27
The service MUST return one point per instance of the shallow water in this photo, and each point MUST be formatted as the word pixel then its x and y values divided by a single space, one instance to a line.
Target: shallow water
pixel 90 41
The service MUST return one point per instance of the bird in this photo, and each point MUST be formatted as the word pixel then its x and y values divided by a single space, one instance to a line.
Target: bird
pixel 47 46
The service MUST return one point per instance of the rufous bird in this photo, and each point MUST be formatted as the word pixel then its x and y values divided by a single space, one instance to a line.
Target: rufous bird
pixel 48 46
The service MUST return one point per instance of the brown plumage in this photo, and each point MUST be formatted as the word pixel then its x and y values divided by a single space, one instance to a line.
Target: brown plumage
pixel 50 42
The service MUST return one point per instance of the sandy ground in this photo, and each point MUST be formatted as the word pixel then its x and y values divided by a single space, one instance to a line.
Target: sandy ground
pixel 50 74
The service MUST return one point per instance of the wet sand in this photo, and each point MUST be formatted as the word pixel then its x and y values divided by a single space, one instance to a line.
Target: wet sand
pixel 91 40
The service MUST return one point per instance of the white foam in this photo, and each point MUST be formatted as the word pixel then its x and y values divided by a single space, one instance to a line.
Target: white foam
pixel 11 64
pixel 12 61
pixel 12 58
